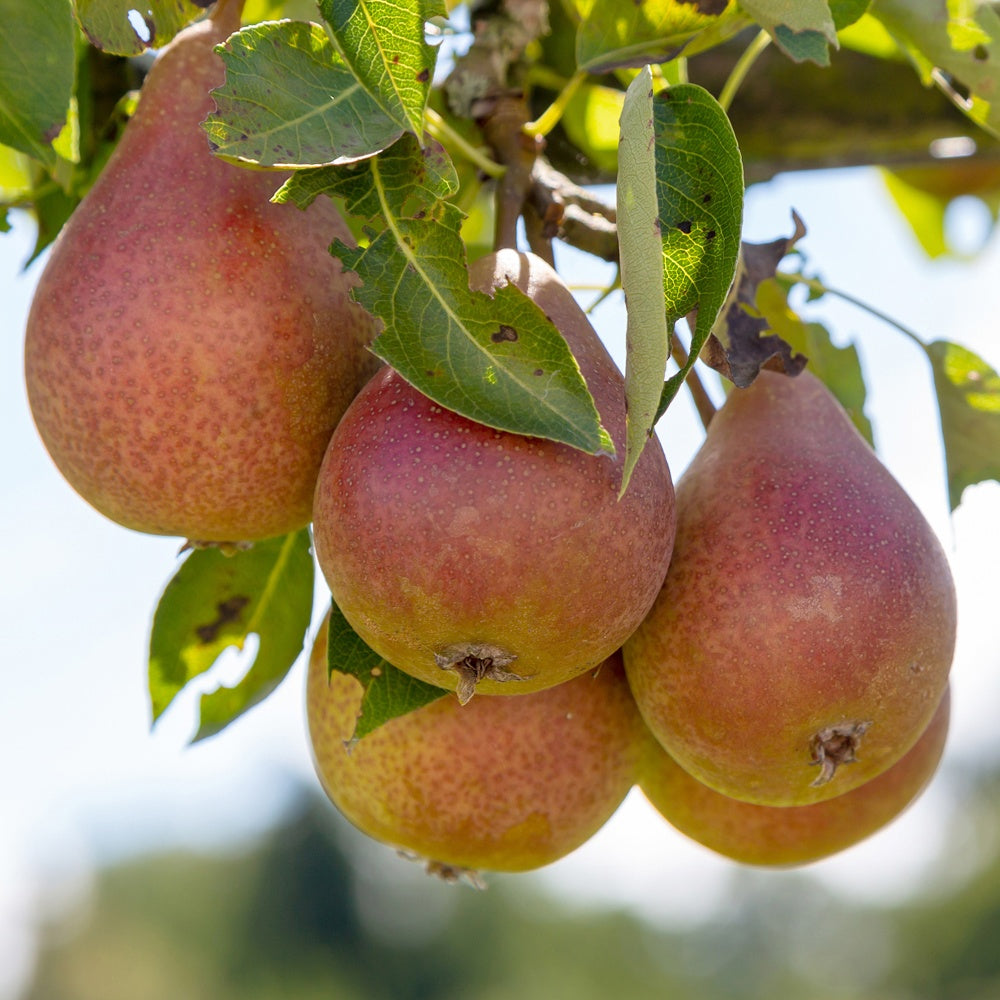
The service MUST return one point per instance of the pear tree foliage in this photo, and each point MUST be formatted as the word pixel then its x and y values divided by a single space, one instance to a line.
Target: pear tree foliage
pixel 440 128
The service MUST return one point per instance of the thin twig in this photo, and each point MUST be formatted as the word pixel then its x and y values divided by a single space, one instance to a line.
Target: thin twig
pixel 702 401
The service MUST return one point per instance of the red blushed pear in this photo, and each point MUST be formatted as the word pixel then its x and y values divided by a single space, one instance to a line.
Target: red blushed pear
pixel 790 835
pixel 500 784
pixel 190 346
pixel 804 634
pixel 486 561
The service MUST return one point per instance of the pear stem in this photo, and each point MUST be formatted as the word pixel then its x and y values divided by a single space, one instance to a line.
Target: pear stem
pixel 702 401
pixel 227 15
pixel 743 65
pixel 447 136
pixel 549 118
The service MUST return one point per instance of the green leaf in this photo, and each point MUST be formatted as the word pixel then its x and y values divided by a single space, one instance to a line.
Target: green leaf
pixel 15 174
pixel 848 12
pixel 499 360
pixel 699 181
pixel 968 392
pixel 923 193
pixel 215 601
pixel 640 246
pixel 802 29
pixel 967 75
pixel 694 224
pixel 620 33
pixel 591 123
pixel 37 59
pixel 290 100
pixel 385 46
pixel 388 692
pixel 924 211
pixel 838 367
pixel 106 23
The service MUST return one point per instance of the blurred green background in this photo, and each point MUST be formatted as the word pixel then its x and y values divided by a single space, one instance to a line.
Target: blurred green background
pixel 311 910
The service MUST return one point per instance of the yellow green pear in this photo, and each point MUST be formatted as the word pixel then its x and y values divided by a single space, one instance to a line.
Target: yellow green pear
pixel 499 784
pixel 782 836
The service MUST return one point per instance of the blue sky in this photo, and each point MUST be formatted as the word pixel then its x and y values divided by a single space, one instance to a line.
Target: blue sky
pixel 85 780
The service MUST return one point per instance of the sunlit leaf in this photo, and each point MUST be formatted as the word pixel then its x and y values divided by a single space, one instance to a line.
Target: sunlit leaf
pixel 838 367
pixel 497 360
pixel 290 100
pixel 217 601
pixel 968 392
pixel 618 33
pixel 591 123
pixel 966 75
pixel 802 30
pixel 36 74
pixel 106 22
pixel 680 204
pixel 388 692
pixel 848 12
pixel 385 46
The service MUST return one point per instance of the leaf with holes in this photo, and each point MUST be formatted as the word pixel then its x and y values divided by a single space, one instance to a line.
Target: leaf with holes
pixel 217 601
pixel 106 23
pixel 385 46
pixel 959 55
pixel 388 692
pixel 968 392
pixel 290 100
pixel 620 33
pixel 36 74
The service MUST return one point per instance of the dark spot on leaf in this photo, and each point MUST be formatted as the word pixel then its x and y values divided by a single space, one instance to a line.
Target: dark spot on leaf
pixel 504 334
pixel 395 59
pixel 424 75
pixel 228 612
pixel 419 215
pixel 710 235
pixel 684 226
pixel 538 371
pixel 706 198
pixel 710 8
pixel 980 53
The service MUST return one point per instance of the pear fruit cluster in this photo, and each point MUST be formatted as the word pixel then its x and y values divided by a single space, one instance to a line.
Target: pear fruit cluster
pixel 785 696
pixel 764 653
pixel 190 346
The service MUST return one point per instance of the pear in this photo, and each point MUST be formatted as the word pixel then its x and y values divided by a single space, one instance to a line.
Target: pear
pixel 487 561
pixel 791 835
pixel 502 784
pixel 190 347
pixel 805 631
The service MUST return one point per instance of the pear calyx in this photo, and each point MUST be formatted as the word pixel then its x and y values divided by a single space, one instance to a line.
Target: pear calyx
pixel 476 661
pixel 835 745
